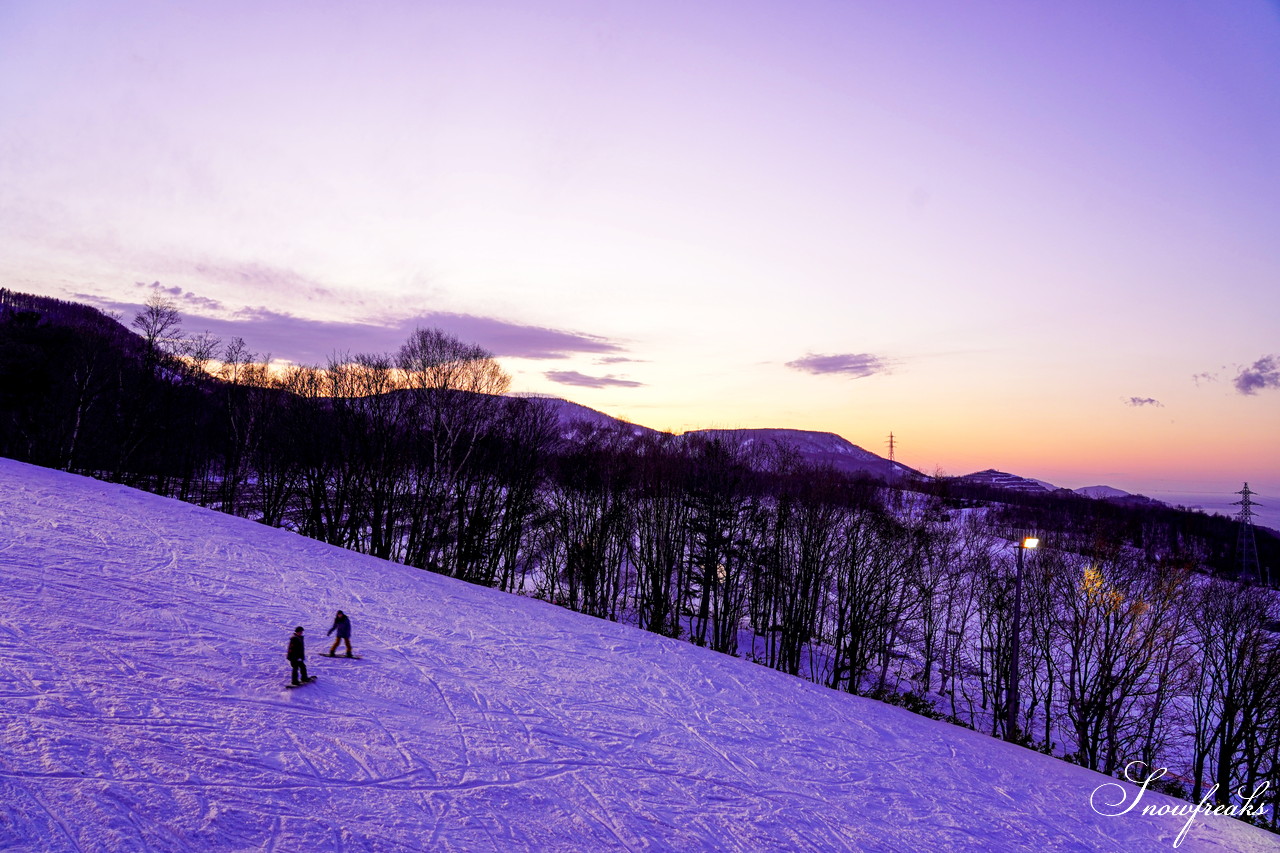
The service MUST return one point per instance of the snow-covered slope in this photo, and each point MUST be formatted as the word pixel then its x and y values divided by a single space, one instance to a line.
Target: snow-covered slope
pixel 142 707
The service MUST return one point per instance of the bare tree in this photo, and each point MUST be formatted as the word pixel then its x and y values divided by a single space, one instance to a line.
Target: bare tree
pixel 1232 695
pixel 869 574
pixel 1109 643
pixel 660 543
pixel 800 553
pixel 379 444
pixel 590 515
pixel 453 390
pixel 721 516
pixel 524 438
pixel 198 352
pixel 160 325
pixel 434 360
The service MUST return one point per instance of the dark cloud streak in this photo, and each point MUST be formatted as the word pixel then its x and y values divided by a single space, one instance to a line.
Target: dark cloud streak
pixel 855 365
pixel 185 299
pixel 573 377
pixel 305 341
pixel 514 339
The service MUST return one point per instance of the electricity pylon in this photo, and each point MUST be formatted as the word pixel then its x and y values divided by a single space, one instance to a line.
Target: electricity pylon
pixel 1246 543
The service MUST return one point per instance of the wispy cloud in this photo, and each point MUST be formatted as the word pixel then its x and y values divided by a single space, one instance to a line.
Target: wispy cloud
pixel 255 275
pixel 1138 402
pixel 1262 375
pixel 855 365
pixel 220 275
pixel 573 377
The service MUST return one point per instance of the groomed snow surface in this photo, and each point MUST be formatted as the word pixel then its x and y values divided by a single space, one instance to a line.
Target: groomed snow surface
pixel 143 707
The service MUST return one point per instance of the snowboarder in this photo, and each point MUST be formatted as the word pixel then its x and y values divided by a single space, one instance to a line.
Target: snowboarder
pixel 298 657
pixel 342 625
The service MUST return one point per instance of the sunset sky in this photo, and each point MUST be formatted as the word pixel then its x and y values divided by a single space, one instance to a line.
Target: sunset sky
pixel 1039 237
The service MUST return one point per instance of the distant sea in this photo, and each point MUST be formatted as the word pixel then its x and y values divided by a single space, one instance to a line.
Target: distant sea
pixel 1266 512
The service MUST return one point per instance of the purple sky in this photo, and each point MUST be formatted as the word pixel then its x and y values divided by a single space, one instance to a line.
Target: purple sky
pixel 1037 237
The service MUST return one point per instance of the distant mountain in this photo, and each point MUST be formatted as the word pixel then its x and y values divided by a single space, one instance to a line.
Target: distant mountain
pixel 1102 492
pixel 574 417
pixel 1028 485
pixel 1004 480
pixel 1119 496
pixel 822 449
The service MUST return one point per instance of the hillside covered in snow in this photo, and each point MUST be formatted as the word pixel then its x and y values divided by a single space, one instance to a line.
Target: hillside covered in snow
pixel 143 707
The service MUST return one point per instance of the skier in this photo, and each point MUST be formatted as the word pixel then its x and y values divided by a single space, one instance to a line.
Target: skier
pixel 298 657
pixel 342 625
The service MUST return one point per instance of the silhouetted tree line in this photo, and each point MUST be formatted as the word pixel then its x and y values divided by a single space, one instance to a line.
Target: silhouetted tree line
pixel 1128 651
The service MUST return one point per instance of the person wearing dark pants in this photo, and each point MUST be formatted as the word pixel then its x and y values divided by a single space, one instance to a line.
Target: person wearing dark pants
pixel 342 625
pixel 298 656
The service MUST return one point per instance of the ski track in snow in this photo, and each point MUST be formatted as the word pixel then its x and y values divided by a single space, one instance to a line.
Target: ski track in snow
pixel 142 707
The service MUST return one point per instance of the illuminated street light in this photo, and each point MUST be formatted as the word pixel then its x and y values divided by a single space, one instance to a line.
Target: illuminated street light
pixel 1015 652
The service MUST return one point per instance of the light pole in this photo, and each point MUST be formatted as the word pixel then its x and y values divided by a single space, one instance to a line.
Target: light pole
pixel 1015 651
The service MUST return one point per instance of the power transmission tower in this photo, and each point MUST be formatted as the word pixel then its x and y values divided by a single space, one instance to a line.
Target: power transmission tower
pixel 1246 543
pixel 891 447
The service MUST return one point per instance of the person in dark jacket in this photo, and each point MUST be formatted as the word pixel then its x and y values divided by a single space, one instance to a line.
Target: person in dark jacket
pixel 298 656
pixel 342 625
